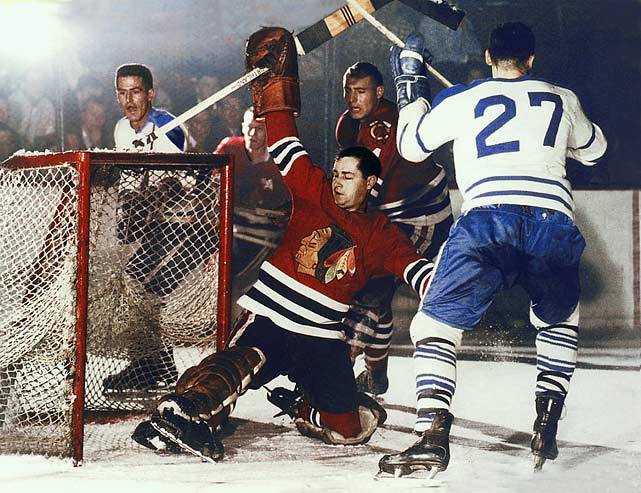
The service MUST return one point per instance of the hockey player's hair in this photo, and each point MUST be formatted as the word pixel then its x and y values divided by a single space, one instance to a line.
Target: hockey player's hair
pixel 135 70
pixel 368 163
pixel 512 42
pixel 363 69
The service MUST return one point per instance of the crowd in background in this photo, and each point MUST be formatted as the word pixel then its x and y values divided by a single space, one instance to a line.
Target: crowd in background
pixel 36 116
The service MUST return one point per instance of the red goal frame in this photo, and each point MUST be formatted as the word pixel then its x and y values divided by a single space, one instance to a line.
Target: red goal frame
pixel 85 162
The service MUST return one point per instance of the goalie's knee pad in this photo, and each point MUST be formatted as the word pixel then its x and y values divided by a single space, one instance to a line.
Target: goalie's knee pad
pixel 217 381
pixel 338 428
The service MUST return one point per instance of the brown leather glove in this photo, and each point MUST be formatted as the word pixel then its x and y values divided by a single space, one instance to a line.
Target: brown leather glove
pixel 274 48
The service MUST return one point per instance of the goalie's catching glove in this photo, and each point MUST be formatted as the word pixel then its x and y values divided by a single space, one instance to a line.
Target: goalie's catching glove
pixel 409 71
pixel 273 48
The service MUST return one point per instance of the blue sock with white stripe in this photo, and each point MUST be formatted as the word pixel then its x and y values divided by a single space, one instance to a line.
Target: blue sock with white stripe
pixel 556 348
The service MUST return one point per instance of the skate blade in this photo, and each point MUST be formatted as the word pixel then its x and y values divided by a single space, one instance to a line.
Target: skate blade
pixel 181 444
pixel 539 460
pixel 409 472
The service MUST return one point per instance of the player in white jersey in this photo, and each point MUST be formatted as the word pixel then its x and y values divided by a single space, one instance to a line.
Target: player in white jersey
pixel 170 239
pixel 137 130
pixel 511 135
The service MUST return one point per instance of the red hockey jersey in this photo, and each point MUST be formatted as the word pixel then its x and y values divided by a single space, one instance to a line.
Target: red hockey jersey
pixel 327 253
pixel 404 191
pixel 256 185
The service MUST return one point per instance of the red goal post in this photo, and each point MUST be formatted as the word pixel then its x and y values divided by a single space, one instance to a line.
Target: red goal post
pixel 105 258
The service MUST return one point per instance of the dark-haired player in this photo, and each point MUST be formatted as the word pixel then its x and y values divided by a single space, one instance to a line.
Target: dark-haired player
pixel 414 196
pixel 511 133
pixel 293 322
pixel 136 130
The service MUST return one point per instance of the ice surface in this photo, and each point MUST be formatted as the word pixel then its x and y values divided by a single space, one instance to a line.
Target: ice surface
pixel 600 442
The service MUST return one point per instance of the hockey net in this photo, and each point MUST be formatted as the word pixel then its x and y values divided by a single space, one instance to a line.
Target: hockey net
pixel 114 278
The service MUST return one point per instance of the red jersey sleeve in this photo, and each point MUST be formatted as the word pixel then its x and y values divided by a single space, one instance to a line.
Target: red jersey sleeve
pixel 287 151
pixel 405 263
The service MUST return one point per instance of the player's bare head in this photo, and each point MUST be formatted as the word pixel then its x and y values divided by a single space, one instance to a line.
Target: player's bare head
pixel 354 174
pixel 255 136
pixel 512 43
pixel 135 93
pixel 368 163
pixel 362 89
pixel 363 69
pixel 136 70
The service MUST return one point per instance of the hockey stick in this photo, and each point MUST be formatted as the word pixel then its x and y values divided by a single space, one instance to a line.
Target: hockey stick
pixel 438 10
pixel 395 39
pixel 333 24
pixel 338 21
pixel 203 105
pixel 317 34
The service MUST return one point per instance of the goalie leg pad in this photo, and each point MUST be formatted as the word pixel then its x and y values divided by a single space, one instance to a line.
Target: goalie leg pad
pixel 338 428
pixel 218 380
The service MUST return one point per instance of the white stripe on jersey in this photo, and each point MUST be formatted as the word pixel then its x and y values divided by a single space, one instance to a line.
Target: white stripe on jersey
pixel 417 273
pixel 294 306
pixel 285 152
pixel 511 138
pixel 299 287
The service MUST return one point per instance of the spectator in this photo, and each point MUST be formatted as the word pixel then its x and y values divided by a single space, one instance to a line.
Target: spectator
pixel 200 136
pixel 9 141
pixel 228 117
pixel 32 114
pixel 92 128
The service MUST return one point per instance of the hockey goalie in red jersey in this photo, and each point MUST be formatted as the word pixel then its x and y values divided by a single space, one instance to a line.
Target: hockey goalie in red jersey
pixel 292 324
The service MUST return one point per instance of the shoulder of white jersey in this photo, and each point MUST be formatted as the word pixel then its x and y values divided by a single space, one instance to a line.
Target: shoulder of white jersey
pixel 122 131
pixel 456 89
pixel 177 136
pixel 160 117
pixel 120 123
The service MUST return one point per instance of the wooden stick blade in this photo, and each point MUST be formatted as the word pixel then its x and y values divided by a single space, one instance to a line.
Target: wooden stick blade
pixel 333 24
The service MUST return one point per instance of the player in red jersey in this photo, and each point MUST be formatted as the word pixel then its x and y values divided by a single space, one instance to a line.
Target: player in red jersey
pixel 414 196
pixel 261 199
pixel 293 320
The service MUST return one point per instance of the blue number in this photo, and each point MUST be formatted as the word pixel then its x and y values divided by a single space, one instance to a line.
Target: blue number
pixel 509 112
pixel 536 98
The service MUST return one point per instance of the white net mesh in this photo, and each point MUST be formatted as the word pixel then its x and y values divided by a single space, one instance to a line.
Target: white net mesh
pixel 153 284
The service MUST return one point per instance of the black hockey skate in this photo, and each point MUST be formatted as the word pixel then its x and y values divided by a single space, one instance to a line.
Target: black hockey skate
pixel 172 431
pixel 431 452
pixel 372 382
pixel 548 413
pixel 286 400
pixel 152 372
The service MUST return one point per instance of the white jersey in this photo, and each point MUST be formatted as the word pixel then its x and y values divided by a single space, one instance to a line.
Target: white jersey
pixel 172 141
pixel 510 140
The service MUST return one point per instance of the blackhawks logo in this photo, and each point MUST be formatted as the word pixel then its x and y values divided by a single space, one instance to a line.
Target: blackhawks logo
pixel 380 130
pixel 327 254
